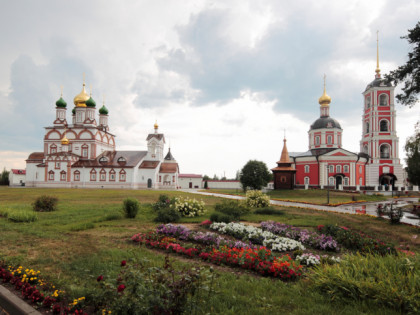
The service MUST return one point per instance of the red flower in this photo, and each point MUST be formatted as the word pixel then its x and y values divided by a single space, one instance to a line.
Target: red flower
pixel 121 288
pixel 123 263
pixel 100 278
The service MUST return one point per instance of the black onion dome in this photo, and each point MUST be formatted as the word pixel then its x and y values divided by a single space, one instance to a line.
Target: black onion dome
pixel 378 82
pixel 325 122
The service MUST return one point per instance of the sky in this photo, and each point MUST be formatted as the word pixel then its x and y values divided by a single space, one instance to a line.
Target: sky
pixel 225 80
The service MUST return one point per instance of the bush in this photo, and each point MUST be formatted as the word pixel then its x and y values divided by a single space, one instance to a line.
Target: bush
pixel 22 216
pixel 188 207
pixel 268 211
pixel 167 215
pixel 395 214
pixel 112 216
pixel 221 217
pixel 232 208
pixel 45 203
pixel 130 207
pixel 391 281
pixel 257 199
pixel 140 289
pixel 163 202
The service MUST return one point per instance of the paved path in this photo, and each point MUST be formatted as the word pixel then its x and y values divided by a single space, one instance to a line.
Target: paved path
pixel 368 207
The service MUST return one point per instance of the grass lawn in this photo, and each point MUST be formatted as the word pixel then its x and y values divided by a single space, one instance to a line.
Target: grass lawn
pixel 85 238
pixel 315 196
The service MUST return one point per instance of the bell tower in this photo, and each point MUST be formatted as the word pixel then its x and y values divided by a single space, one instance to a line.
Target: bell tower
pixel 379 135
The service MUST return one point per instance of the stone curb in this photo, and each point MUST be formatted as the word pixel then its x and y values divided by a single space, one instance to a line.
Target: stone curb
pixel 13 305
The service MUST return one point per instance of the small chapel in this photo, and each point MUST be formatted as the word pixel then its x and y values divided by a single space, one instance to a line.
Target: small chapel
pixel 83 154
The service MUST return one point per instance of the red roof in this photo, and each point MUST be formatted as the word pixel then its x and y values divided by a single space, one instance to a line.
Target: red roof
pixel 149 164
pixel 18 172
pixel 190 176
pixel 168 168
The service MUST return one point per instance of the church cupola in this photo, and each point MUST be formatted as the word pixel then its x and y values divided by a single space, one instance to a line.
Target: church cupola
pixel 155 144
pixel 324 102
pixel 156 126
pixel 65 143
pixel 61 105
pixel 81 98
pixel 90 110
pixel 103 118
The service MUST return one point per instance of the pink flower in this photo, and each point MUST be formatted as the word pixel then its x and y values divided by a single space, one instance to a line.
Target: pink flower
pixel 121 288
pixel 123 263
pixel 100 278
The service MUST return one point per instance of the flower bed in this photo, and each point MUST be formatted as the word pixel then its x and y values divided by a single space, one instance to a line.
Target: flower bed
pixel 183 233
pixel 356 240
pixel 312 239
pixel 38 291
pixel 260 260
pixel 257 236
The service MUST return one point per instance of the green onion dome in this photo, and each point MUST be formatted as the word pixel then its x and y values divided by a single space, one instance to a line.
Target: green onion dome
pixel 103 110
pixel 73 111
pixel 61 103
pixel 90 102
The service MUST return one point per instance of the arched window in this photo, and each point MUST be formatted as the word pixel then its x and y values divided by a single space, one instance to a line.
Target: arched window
pixel 331 169
pixel 383 125
pixel 85 149
pixel 317 138
pixel 346 181
pixel 306 180
pixel 365 149
pixel 102 175
pixel 331 181
pixel 338 167
pixel 112 175
pixel 93 175
pixel 53 149
pixel 346 168
pixel 103 159
pixel 385 151
pixel 76 175
pixel 306 168
pixel 367 127
pixel 122 176
pixel 383 100
pixel 51 175
pixel 368 101
pixel 329 139
pixel 63 176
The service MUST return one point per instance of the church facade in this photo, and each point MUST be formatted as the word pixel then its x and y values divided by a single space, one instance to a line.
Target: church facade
pixel 326 163
pixel 83 154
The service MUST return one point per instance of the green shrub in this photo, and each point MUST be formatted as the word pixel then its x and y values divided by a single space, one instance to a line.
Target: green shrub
pixel 163 202
pixel 130 207
pixel 22 216
pixel 167 215
pixel 4 212
pixel 257 199
pixel 269 211
pixel 392 281
pixel 221 217
pixel 188 207
pixel 140 289
pixel 45 203
pixel 232 208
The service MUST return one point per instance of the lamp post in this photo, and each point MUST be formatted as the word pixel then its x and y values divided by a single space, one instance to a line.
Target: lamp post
pixel 328 184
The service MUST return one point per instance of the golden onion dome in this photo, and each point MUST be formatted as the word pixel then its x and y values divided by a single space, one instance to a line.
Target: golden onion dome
pixel 156 125
pixel 325 99
pixel 81 98
pixel 64 140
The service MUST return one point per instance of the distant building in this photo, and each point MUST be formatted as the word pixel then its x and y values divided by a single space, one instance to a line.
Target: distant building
pixel 284 173
pixel 17 177
pixel 190 181
pixel 83 154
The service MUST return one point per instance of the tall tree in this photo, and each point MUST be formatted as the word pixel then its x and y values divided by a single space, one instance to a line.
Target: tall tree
pixel 412 147
pixel 254 175
pixel 409 73
pixel 4 177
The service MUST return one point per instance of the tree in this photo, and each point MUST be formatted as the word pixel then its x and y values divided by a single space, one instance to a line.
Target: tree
pixel 412 147
pixel 254 175
pixel 215 177
pixel 206 177
pixel 4 177
pixel 410 72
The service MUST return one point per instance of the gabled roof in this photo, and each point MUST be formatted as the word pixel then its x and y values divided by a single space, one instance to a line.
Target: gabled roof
pixel 114 159
pixel 168 168
pixel 35 157
pixel 149 164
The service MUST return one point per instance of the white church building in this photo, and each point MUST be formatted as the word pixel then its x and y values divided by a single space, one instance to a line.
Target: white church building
pixel 83 155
